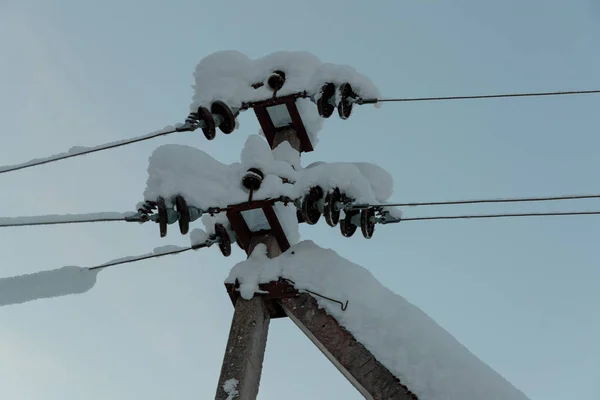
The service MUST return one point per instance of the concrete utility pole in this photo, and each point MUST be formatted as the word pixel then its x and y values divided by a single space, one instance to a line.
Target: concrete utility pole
pixel 250 326
pixel 247 341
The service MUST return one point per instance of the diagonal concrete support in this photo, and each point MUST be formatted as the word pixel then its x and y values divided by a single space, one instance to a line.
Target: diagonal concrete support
pixel 352 359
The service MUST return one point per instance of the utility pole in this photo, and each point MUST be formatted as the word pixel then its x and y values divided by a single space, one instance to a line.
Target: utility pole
pixel 244 355
pixel 247 341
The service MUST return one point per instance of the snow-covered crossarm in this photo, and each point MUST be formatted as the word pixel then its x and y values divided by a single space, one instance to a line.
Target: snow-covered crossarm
pixel 230 75
pixel 425 357
pixel 238 81
pixel 205 182
pixel 184 174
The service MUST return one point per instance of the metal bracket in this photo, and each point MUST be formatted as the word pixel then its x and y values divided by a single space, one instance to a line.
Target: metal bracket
pixel 281 289
pixel 243 232
pixel 269 129
pixel 384 217
pixel 270 291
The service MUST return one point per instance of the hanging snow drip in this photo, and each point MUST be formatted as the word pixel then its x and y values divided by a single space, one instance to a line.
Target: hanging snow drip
pixel 253 179
pixel 346 96
pixel 223 239
pixel 276 80
pixel 222 110
pixel 326 101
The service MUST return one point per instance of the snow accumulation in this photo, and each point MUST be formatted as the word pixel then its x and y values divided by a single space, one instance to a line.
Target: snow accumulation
pixel 424 356
pixel 156 252
pixel 54 218
pixel 198 236
pixel 79 150
pixel 205 182
pixel 71 279
pixel 46 284
pixel 230 387
pixel 229 75
pixel 164 250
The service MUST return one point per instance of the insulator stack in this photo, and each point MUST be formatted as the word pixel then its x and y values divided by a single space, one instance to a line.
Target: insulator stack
pixel 326 101
pixel 223 238
pixel 220 115
pixel 315 204
pixel 167 214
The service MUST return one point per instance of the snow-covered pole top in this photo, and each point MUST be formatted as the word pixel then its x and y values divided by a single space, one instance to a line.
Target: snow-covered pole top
pixel 229 76
pixel 233 79
pixel 271 244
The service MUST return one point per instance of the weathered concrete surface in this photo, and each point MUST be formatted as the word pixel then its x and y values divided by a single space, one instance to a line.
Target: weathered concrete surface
pixel 245 348
pixel 247 341
pixel 352 359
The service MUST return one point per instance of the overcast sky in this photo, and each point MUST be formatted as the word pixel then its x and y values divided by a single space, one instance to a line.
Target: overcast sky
pixel 520 294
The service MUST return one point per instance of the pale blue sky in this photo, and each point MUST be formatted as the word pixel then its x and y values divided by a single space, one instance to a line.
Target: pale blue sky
pixel 521 294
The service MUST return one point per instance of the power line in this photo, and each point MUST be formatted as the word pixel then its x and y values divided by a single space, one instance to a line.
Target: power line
pixel 184 128
pixel 483 216
pixel 149 256
pixel 486 96
pixel 9 222
pixel 83 151
pixel 68 219
pixel 482 201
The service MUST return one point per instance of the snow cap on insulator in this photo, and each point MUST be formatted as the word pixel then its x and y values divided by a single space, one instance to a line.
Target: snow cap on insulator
pixel 253 179
pixel 276 80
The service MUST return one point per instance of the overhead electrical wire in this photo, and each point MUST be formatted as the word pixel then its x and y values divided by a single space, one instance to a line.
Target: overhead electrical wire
pixel 484 201
pixel 11 222
pixel 485 216
pixel 185 128
pixel 484 96
pixel 84 151
pixel 149 256
pixel 18 221
pixel 39 220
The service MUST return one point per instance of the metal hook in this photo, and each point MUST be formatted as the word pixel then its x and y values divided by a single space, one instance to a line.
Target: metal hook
pixel 343 306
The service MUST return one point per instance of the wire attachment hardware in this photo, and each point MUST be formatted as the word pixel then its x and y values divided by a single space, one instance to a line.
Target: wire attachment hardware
pixel 167 213
pixel 343 306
